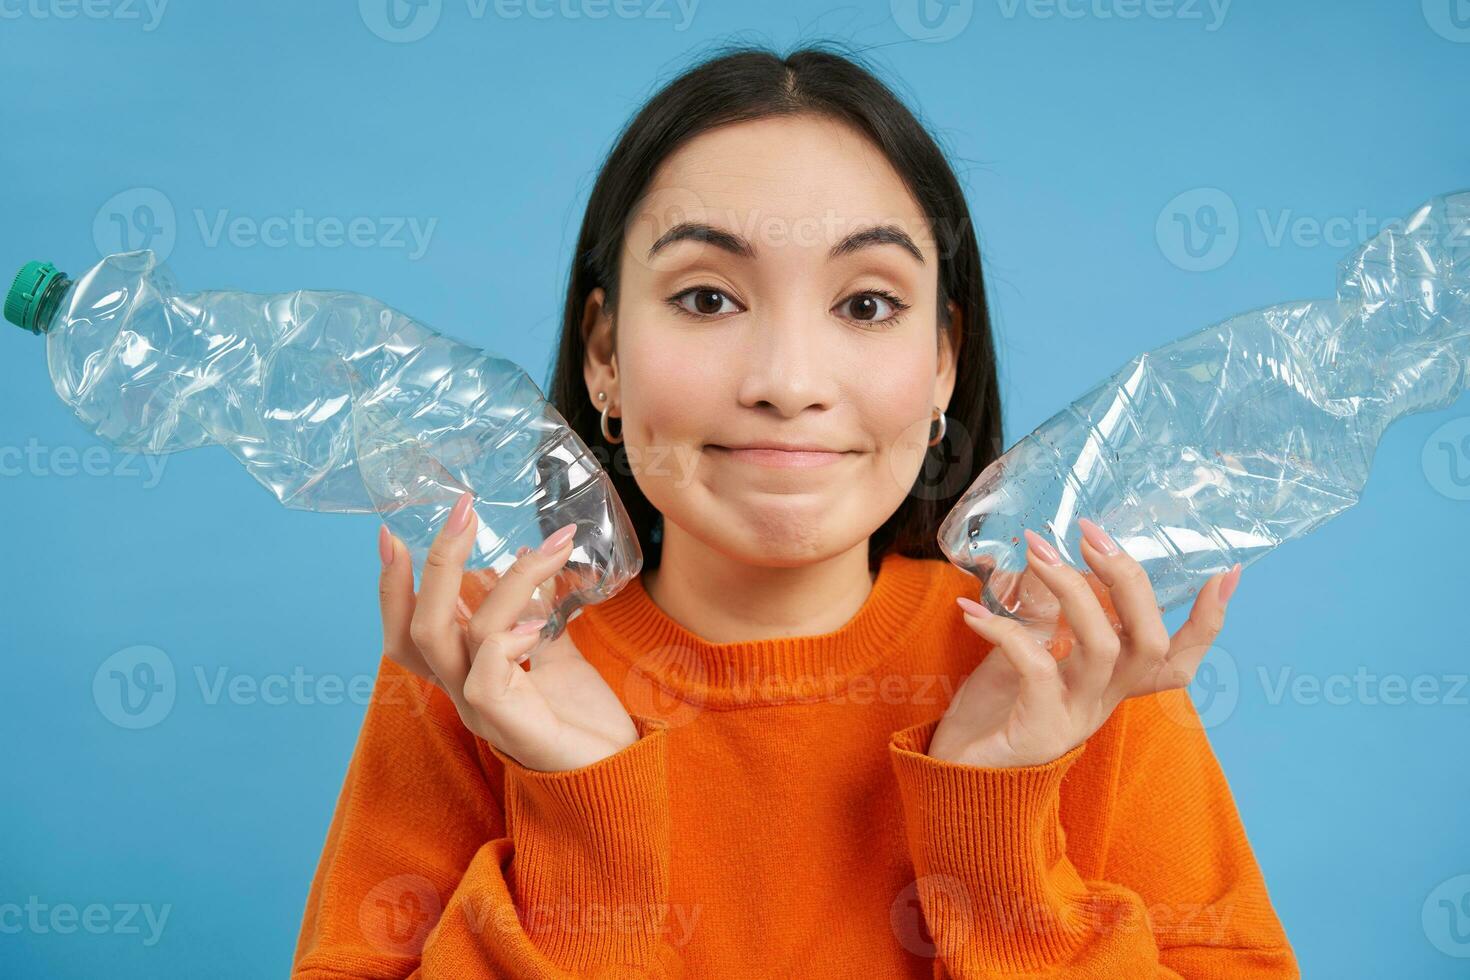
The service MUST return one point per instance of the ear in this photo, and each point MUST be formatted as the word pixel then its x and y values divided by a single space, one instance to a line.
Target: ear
pixel 949 344
pixel 600 364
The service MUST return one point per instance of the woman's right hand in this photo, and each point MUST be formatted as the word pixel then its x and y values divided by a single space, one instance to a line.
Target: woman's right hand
pixel 558 715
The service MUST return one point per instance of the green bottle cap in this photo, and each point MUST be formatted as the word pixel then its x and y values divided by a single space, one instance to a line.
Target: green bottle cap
pixel 27 304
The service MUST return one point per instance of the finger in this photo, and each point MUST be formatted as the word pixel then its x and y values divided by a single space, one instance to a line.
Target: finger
pixel 503 696
pixel 1040 679
pixel 1193 640
pixel 518 584
pixel 473 588
pixel 396 604
pixel 434 628
pixel 1143 637
pixel 1091 662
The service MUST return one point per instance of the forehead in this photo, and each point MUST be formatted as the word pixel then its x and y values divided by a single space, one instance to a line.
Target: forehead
pixel 804 181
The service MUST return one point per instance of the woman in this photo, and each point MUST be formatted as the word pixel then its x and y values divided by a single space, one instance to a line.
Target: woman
pixel 794 745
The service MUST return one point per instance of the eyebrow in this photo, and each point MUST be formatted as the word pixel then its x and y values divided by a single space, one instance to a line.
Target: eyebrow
pixel 734 244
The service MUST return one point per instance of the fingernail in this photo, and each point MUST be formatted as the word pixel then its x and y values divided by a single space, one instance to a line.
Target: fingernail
pixel 1043 550
pixel 459 517
pixel 973 607
pixel 1227 588
pixel 530 626
pixel 385 545
pixel 558 540
pixel 1097 537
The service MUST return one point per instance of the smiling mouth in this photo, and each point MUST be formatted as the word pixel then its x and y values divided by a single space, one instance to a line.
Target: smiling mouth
pixel 790 458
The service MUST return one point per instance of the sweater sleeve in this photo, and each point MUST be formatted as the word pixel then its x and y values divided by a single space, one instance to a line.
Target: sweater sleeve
pixel 447 859
pixel 1178 892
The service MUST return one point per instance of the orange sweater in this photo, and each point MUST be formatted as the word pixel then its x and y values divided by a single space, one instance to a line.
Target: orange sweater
pixel 778 817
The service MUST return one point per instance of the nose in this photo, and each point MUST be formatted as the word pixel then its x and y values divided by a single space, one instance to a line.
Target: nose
pixel 788 365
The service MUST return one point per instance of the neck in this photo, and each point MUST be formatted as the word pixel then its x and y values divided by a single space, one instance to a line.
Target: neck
pixel 729 601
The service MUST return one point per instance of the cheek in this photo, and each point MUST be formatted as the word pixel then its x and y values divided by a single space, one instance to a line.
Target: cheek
pixel 893 400
pixel 896 407
pixel 674 383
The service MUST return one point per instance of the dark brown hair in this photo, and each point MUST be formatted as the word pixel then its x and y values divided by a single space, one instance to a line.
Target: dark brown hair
pixel 745 83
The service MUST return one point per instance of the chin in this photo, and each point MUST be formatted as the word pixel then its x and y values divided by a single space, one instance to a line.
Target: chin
pixel 782 537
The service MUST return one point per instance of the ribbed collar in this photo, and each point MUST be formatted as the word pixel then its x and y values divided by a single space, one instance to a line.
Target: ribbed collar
pixel 661 652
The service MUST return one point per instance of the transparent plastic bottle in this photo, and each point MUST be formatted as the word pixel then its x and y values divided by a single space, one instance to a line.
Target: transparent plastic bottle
pixel 1220 446
pixel 334 402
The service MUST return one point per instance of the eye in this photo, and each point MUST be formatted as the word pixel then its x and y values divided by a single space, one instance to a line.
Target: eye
pixel 703 301
pixel 869 307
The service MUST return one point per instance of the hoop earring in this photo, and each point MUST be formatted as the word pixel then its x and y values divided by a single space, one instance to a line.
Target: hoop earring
pixel 602 397
pixel 943 424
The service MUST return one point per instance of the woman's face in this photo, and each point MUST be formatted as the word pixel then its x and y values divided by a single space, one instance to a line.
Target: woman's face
pixel 770 293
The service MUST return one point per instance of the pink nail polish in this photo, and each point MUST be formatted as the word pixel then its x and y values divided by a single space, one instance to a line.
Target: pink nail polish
pixel 974 608
pixel 530 626
pixel 1043 550
pixel 1097 537
pixel 558 540
pixel 385 545
pixel 459 517
pixel 1227 588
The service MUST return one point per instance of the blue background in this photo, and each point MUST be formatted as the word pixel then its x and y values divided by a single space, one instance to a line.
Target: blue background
pixel 1074 137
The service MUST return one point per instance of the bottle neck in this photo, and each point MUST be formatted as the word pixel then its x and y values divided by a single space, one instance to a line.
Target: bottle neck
pixel 50 302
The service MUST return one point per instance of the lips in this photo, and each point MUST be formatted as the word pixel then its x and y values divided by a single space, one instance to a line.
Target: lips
pixel 794 446
pixel 764 455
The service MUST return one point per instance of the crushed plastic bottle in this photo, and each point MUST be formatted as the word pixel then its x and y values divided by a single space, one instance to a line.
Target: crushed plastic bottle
pixel 1220 446
pixel 334 402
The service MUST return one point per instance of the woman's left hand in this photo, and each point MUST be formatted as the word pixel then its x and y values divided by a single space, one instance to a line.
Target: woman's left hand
pixel 1022 707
